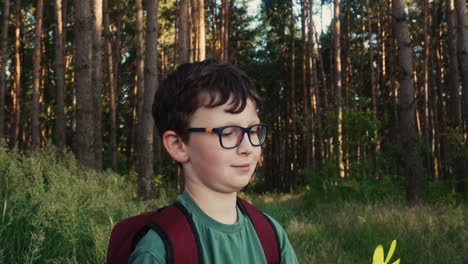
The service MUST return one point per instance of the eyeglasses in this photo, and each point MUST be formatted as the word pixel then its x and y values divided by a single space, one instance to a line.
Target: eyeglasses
pixel 231 136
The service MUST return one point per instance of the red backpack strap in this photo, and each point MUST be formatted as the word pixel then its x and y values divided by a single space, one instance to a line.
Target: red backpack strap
pixel 265 229
pixel 179 234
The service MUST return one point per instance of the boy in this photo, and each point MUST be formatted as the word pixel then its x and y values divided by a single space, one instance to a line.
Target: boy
pixel 206 113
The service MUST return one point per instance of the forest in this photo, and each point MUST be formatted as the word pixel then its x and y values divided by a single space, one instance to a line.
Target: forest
pixel 367 114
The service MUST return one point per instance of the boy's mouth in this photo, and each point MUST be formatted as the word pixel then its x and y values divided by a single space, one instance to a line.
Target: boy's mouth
pixel 242 167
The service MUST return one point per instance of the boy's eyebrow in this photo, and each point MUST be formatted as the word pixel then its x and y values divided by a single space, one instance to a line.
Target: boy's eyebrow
pixel 227 123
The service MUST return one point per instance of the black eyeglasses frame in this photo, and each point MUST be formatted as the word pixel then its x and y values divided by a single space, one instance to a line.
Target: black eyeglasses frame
pixel 219 130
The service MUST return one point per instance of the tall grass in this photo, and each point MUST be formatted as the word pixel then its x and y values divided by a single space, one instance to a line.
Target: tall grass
pixel 54 211
pixel 349 232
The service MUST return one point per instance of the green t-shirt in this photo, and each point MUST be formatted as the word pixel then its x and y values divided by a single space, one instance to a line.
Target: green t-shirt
pixel 237 243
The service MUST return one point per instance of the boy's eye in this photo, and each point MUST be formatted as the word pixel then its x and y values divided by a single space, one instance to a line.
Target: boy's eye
pixel 253 132
pixel 229 131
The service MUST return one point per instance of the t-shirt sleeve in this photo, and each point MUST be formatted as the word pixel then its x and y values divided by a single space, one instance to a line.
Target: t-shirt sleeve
pixel 149 250
pixel 288 256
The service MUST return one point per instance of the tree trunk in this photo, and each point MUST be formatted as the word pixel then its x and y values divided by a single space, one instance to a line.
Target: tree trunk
pixel 183 48
pixel 3 61
pixel 305 107
pixel 314 93
pixel 463 56
pixel 292 103
pixel 372 74
pixel 338 84
pixel 111 85
pixel 194 30
pixel 37 76
pixel 408 135
pixel 97 79
pixel 427 45
pixel 83 87
pixel 201 30
pixel 225 30
pixel 60 125
pixel 16 91
pixel 146 128
pixel 453 72
pixel 140 47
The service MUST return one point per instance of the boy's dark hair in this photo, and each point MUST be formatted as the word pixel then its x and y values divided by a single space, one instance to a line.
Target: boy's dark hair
pixel 185 90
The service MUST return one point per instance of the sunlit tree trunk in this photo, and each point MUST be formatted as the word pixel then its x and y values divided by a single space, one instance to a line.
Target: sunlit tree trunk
pixel 183 31
pixel 3 61
pixel 146 128
pixel 427 41
pixel 37 77
pixel 111 85
pixel 194 10
pixel 425 83
pixel 140 63
pixel 97 79
pixel 201 30
pixel 408 134
pixel 60 126
pixel 338 84
pixel 16 90
pixel 225 29
pixel 84 89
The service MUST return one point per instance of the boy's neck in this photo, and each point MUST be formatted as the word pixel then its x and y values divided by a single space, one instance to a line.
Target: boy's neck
pixel 219 206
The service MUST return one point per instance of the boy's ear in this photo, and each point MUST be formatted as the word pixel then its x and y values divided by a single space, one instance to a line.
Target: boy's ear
pixel 175 146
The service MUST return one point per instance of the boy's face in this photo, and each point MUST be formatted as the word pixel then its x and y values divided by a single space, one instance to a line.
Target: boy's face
pixel 211 166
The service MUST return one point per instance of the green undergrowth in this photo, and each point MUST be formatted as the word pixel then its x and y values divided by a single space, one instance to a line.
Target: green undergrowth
pixel 54 211
pixel 348 232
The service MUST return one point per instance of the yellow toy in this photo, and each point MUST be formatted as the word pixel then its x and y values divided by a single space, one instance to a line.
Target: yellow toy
pixel 379 254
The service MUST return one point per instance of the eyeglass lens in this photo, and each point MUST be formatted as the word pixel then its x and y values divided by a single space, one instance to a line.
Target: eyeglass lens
pixel 233 136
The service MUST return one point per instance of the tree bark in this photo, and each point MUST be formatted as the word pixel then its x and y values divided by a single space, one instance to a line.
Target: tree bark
pixel 97 79
pixel 463 56
pixel 16 91
pixel 3 61
pixel 453 76
pixel 315 103
pixel 372 74
pixel 83 87
pixel 201 30
pixel 338 84
pixel 225 30
pixel 35 127
pixel 146 128
pixel 140 47
pixel 305 107
pixel 183 48
pixel 408 135
pixel 60 125
pixel 111 84
pixel 194 16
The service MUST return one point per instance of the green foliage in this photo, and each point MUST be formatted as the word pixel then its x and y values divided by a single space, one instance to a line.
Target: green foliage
pixel 325 185
pixel 347 231
pixel 56 211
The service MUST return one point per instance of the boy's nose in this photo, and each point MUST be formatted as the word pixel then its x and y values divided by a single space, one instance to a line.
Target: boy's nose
pixel 245 146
